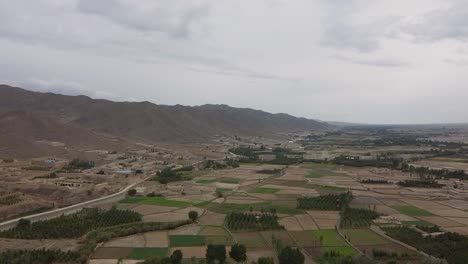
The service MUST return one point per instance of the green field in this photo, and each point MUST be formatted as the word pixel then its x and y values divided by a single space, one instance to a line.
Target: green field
pixel 412 211
pixel 265 190
pixel 186 240
pixel 144 253
pixel 330 238
pixel 229 180
pixel 156 201
pixel 363 237
pixel 320 170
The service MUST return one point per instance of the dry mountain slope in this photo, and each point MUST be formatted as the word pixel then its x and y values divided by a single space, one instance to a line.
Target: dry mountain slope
pixel 150 122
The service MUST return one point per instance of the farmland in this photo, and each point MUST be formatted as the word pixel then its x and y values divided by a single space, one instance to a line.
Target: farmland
pixel 330 211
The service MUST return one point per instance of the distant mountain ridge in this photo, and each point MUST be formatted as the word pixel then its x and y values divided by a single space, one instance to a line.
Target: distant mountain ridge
pixel 150 122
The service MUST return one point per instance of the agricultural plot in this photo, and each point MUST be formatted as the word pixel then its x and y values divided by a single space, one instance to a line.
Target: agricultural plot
pixel 144 253
pixel 111 253
pixel 306 222
pixel 225 208
pixel 237 221
pixel 304 238
pixel 328 238
pixel 191 252
pixel 324 202
pixel 131 241
pixel 412 211
pixel 186 230
pixel 250 239
pixel 146 209
pixel 265 190
pixel 186 240
pixel 290 223
pixel 165 217
pixel 211 218
pixel 281 235
pixel 363 237
pixel 357 218
pixel 318 170
pixel 73 225
pixel 440 221
pixel 325 219
pixel 343 251
pixel 157 239
pixel 162 201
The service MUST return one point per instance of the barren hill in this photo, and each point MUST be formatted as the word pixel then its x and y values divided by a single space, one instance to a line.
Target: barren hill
pixel 140 120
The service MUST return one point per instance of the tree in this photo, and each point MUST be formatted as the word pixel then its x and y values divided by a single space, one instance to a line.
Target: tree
pixel 131 192
pixel 216 254
pixel 238 253
pixel 193 215
pixel 265 260
pixel 24 223
pixel 176 257
pixel 291 256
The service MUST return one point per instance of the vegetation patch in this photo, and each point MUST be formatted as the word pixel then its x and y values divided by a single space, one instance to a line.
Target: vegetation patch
pixel 266 207
pixel 362 237
pixel 186 240
pixel 238 221
pixel 319 170
pixel 11 198
pixel 38 256
pixel 343 251
pixel 324 202
pixel 357 218
pixel 421 184
pixel 229 180
pixel 328 238
pixel 266 190
pixel 269 171
pixel 78 165
pixel 449 246
pixel 371 181
pixel 326 188
pixel 206 181
pixel 412 210
pixel 145 253
pixel 156 201
pixel 71 226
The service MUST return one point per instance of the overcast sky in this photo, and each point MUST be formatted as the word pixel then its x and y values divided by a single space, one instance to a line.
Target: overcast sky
pixel 372 61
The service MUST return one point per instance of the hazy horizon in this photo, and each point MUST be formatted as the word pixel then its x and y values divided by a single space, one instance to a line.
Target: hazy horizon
pixel 358 61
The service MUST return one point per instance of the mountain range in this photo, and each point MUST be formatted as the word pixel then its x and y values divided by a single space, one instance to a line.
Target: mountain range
pixel 28 117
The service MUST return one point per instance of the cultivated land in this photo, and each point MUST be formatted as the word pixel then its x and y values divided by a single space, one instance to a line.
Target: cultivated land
pixel 364 163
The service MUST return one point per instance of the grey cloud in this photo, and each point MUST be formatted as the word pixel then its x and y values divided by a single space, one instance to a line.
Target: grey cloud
pixel 448 23
pixel 105 38
pixel 175 17
pixel 372 62
pixel 342 32
pixel 457 62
